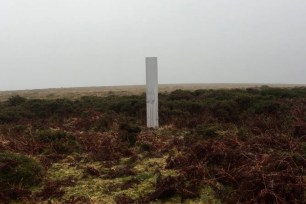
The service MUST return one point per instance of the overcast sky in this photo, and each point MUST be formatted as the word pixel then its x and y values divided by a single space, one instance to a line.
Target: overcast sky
pixel 73 43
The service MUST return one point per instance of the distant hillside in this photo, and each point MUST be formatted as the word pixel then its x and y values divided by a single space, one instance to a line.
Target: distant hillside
pixel 78 92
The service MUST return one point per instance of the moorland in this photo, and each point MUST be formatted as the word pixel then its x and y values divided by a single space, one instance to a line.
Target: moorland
pixel 239 145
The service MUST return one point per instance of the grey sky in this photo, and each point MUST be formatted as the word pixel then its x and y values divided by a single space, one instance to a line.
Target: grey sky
pixel 68 43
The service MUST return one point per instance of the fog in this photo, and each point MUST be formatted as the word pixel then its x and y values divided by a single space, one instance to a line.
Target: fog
pixel 75 43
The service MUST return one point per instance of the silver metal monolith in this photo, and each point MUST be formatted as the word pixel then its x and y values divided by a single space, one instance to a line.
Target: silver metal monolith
pixel 152 92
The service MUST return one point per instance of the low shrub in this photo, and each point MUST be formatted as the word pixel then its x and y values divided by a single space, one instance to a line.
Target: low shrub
pixel 16 100
pixel 205 131
pixel 181 95
pixel 146 147
pixel 58 142
pixel 13 114
pixel 59 108
pixel 268 107
pixel 129 105
pixel 243 133
pixel 105 122
pixel 128 133
pixel 245 102
pixel 19 129
pixel 277 92
pixel 227 111
pixel 16 169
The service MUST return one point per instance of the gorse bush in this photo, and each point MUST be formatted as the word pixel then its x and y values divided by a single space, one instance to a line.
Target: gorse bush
pixel 146 147
pixel 58 142
pixel 128 133
pixel 51 108
pixel 284 92
pixel 105 122
pixel 226 110
pixel 132 106
pixel 13 114
pixel 181 95
pixel 19 170
pixel 51 136
pixel 16 100
pixel 206 131
pixel 269 107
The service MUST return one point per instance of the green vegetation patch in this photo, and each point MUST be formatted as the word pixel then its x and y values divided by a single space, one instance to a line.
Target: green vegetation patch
pixel 58 141
pixel 16 169
pixel 207 131
pixel 101 188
